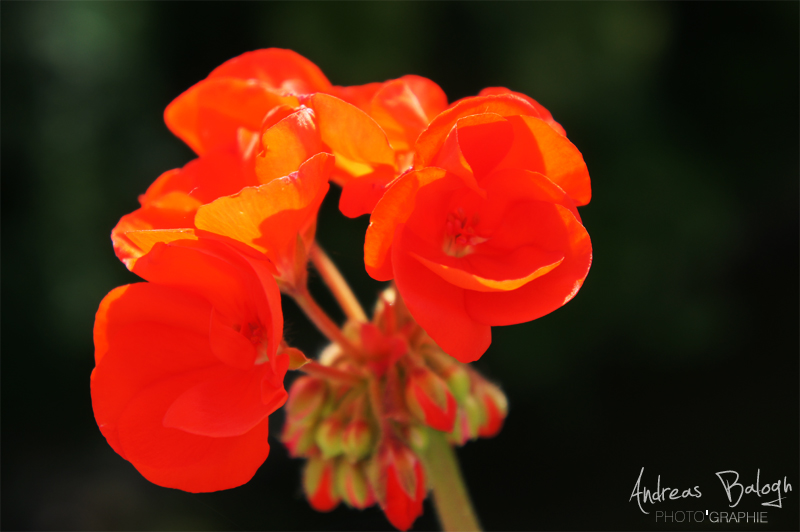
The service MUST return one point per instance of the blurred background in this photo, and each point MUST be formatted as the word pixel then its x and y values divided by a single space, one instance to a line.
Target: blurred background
pixel 679 355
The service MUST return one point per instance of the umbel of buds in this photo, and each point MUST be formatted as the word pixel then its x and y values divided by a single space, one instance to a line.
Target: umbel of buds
pixel 364 426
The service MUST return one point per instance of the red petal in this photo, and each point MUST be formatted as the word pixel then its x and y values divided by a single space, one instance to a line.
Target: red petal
pixel 394 208
pixel 279 69
pixel 209 270
pixel 437 305
pixel 544 294
pixel 361 194
pixel 230 346
pixel 229 403
pixel 176 459
pixel 142 302
pixel 484 140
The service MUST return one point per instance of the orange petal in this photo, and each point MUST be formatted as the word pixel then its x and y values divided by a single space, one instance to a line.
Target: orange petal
pixel 404 107
pixel 287 145
pixel 563 163
pixel 358 95
pixel 393 208
pixel 431 140
pixel 145 239
pixel 242 216
pixel 279 69
pixel 544 114
pixel 350 132
pixel 209 114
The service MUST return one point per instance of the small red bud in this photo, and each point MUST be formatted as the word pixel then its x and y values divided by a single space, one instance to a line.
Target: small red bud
pixel 403 506
pixel 329 437
pixel 495 406
pixel 429 398
pixel 306 397
pixel 474 417
pixel 298 436
pixel 357 439
pixel 457 379
pixel 318 485
pixel 352 485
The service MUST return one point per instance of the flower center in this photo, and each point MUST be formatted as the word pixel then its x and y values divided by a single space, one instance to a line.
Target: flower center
pixel 258 337
pixel 460 235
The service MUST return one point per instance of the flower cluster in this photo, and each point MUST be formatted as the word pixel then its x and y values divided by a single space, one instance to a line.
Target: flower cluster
pixel 473 216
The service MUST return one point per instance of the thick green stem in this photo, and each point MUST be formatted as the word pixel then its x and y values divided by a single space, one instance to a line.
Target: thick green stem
pixel 450 496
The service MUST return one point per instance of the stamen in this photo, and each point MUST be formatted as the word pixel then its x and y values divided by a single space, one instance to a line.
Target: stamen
pixel 460 236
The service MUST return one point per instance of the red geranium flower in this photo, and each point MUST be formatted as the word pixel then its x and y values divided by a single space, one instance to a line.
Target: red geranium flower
pixel 197 200
pixel 370 128
pixel 485 230
pixel 188 366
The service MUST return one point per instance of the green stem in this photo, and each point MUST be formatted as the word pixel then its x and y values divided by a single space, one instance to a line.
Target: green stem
pixel 450 497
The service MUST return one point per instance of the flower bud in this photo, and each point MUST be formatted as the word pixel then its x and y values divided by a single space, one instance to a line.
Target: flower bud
pixel 357 439
pixel 405 490
pixel 417 437
pixel 460 433
pixel 474 417
pixel 495 406
pixel 429 398
pixel 329 437
pixel 318 484
pixel 306 397
pixel 352 485
pixel 298 437
pixel 458 381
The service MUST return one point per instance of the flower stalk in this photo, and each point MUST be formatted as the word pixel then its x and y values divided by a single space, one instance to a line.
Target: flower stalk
pixel 322 321
pixel 337 284
pixel 450 496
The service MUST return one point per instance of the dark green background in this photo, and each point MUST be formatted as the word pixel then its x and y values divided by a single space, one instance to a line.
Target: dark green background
pixel 680 354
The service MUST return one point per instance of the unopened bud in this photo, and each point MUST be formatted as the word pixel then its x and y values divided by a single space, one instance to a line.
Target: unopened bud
pixel 318 484
pixel 329 437
pixel 460 433
pixel 474 417
pixel 357 439
pixel 495 407
pixel 405 489
pixel 306 397
pixel 458 381
pixel 298 437
pixel 352 485
pixel 417 437
pixel 429 398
